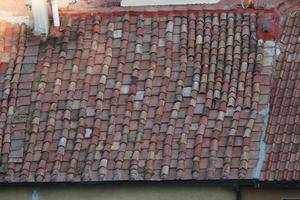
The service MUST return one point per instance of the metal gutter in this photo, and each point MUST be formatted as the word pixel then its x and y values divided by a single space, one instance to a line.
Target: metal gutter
pixel 229 183
pixel 119 183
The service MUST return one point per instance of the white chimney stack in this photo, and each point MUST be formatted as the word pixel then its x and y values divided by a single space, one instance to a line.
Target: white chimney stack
pixel 40 17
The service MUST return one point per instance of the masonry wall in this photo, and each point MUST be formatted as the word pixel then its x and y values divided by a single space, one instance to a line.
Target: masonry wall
pixel 186 192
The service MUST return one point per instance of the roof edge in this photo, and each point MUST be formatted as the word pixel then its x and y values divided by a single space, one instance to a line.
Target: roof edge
pixel 227 183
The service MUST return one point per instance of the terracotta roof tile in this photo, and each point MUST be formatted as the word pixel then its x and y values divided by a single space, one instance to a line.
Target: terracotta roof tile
pixel 140 97
pixel 282 152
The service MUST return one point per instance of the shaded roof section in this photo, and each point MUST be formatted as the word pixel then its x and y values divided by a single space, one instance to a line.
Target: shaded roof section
pixel 135 97
pixel 283 131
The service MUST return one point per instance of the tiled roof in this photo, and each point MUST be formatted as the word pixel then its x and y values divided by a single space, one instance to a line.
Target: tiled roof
pixel 158 96
pixel 136 97
pixel 283 131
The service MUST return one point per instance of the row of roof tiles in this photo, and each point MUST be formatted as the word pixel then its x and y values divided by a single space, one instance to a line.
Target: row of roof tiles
pixel 135 98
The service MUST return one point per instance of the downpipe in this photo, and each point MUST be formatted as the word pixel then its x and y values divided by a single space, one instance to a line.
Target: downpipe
pixel 238 193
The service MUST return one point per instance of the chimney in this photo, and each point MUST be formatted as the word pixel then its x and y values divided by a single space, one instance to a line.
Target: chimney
pixel 40 17
pixel 55 13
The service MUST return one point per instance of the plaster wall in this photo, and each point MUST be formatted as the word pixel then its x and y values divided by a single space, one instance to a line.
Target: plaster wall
pixel 123 192
pixel 269 194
